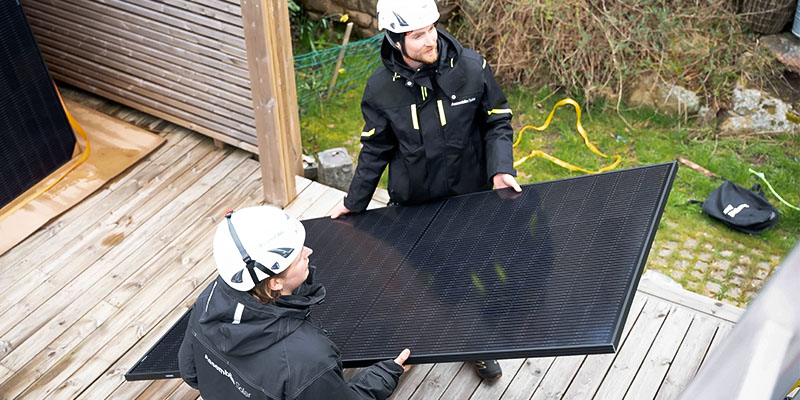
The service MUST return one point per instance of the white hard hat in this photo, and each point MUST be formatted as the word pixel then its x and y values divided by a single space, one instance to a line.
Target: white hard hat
pixel 255 243
pixel 400 16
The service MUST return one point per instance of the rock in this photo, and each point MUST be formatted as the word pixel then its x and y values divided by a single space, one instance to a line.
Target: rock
pixel 309 167
pixel 786 48
pixel 335 168
pixel 757 112
pixel 666 97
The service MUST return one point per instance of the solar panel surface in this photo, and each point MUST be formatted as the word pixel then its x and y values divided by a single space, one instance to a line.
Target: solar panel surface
pixel 35 134
pixel 551 271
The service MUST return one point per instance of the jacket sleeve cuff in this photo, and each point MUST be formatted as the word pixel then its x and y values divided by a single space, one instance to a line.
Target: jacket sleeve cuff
pixel 355 206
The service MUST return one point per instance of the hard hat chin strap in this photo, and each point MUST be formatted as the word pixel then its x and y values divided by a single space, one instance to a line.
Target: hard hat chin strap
pixel 395 37
pixel 250 263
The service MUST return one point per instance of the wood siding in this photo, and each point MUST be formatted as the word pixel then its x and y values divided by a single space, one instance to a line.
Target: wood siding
pixel 184 61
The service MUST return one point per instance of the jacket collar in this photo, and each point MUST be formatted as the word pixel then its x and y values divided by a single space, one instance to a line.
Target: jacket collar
pixel 446 74
pixel 259 326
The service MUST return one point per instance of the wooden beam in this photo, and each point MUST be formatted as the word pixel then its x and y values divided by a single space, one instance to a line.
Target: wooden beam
pixel 269 58
pixel 288 108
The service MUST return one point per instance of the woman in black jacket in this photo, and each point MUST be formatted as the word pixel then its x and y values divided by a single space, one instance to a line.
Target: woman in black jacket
pixel 249 335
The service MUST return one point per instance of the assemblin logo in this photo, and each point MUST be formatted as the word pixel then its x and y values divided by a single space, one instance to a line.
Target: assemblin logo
pixel 731 211
pixel 225 372
pixel 460 102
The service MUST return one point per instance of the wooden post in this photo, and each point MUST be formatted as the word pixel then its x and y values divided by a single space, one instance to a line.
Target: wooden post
pixel 339 60
pixel 272 85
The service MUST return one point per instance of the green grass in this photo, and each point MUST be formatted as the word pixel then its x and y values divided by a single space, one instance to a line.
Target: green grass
pixel 733 257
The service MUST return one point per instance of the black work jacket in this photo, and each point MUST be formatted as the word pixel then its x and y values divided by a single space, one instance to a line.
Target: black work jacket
pixel 443 130
pixel 270 351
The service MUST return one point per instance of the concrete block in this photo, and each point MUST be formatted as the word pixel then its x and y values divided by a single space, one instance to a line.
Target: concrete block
pixel 335 168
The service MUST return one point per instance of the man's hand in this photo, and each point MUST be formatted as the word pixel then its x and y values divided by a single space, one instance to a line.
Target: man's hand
pixel 504 181
pixel 339 211
pixel 402 358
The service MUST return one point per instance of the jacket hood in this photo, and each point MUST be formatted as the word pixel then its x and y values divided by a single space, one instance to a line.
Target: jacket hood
pixel 449 48
pixel 241 325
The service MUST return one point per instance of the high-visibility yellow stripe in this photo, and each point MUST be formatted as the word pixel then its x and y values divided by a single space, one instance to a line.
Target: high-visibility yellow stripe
pixel 451 63
pixel 368 133
pixel 442 119
pixel 500 111
pixel 414 116
pixel 484 63
pixel 424 91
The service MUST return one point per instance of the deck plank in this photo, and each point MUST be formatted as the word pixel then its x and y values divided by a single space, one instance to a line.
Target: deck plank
pixel 184 392
pixel 113 381
pixel 594 369
pixel 526 380
pixel 495 389
pixel 558 377
pixel 30 257
pixel 463 385
pixel 661 355
pixel 40 362
pixel 632 354
pixel 410 380
pixel 673 293
pixel 119 291
pixel 136 247
pixel 159 389
pixel 310 195
pixel 53 274
pixel 322 207
pixel 689 357
pixel 437 381
pixel 90 360
pixel 64 226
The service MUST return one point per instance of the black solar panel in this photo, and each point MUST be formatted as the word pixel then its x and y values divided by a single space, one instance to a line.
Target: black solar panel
pixel 34 132
pixel 161 361
pixel 551 271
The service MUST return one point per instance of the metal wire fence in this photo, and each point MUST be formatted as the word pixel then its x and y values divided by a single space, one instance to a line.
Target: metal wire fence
pixel 766 16
pixel 314 71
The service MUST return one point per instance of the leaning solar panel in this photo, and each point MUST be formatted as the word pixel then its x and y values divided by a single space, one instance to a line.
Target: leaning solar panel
pixel 551 271
pixel 35 134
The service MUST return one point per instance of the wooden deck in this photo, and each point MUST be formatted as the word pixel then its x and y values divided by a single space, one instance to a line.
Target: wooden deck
pixel 85 296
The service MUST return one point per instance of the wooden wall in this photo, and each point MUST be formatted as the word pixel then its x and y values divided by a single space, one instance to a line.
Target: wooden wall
pixel 183 61
pixel 188 62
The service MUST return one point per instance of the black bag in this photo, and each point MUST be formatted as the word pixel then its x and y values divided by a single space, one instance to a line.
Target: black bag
pixel 741 209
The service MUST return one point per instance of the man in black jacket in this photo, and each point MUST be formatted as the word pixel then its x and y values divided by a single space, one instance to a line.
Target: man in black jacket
pixel 435 115
pixel 249 334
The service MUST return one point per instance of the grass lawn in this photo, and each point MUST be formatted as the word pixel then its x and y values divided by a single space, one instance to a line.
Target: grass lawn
pixel 701 254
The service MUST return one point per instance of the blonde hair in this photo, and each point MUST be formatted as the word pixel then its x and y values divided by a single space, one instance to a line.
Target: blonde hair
pixel 263 293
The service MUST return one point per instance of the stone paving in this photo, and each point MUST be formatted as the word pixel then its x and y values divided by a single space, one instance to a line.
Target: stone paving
pixel 716 267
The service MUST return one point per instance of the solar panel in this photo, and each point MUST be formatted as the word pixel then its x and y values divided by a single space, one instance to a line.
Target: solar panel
pixel 161 361
pixel 550 271
pixel 35 134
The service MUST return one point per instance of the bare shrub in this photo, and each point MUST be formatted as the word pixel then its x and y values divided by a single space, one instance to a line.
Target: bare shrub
pixel 596 48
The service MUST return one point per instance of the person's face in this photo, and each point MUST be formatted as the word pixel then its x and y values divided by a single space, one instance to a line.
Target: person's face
pixel 421 45
pixel 296 274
